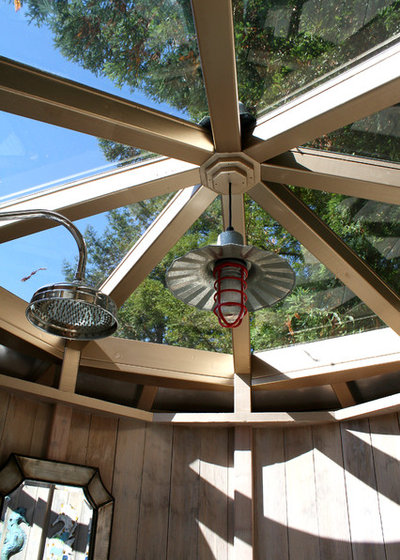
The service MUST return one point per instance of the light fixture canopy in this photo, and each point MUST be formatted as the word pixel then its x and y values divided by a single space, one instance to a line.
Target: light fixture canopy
pixel 71 310
pixel 269 278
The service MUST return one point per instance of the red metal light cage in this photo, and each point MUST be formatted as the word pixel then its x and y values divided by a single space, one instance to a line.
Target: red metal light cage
pixel 222 273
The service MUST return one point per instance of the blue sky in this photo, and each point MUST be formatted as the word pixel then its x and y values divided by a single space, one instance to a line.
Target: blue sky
pixel 36 155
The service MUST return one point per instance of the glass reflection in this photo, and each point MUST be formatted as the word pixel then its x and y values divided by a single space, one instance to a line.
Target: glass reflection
pixel 376 136
pixel 319 307
pixel 369 227
pixel 285 47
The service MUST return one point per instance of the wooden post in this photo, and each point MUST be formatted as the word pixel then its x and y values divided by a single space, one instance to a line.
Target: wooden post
pixel 62 414
pixel 243 472
pixel 243 504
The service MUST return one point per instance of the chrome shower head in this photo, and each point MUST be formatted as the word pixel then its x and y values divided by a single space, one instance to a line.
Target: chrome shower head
pixel 69 309
pixel 73 310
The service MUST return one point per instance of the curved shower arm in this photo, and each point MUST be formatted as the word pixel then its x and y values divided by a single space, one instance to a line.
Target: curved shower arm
pixel 59 218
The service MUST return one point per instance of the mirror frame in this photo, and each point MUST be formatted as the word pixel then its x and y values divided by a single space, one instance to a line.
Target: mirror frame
pixel 20 467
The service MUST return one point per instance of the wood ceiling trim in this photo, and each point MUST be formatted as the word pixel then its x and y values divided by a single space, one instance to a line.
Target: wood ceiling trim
pixel 360 91
pixel 13 320
pixel 215 37
pixel 329 249
pixel 100 194
pixel 336 173
pixel 38 95
pixel 159 238
pixel 118 354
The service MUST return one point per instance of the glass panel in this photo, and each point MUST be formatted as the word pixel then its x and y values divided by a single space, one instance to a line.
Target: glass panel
pixel 145 51
pixel 376 136
pixel 370 228
pixel 35 156
pixel 319 307
pixel 153 314
pixel 40 259
pixel 285 46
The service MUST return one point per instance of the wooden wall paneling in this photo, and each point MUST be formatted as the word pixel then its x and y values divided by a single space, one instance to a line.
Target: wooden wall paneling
pixel 126 488
pixel 18 428
pixel 60 424
pixel 231 492
pixel 243 505
pixel 385 438
pixel 78 437
pixel 333 521
pixel 213 494
pixel 362 498
pixel 154 499
pixel 101 446
pixel 270 535
pixel 301 496
pixel 4 404
pixel 184 504
pixel 41 429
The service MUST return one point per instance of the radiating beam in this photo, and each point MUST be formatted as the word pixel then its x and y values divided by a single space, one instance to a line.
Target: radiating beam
pixel 336 173
pixel 100 194
pixel 360 91
pixel 329 249
pixel 215 36
pixel 159 238
pixel 241 335
pixel 38 95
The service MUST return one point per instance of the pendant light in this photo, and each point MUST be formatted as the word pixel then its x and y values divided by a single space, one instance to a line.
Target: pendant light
pixel 71 310
pixel 230 278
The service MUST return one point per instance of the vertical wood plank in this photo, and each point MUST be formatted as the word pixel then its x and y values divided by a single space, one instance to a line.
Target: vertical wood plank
pixel 184 503
pixel 231 493
pixel 362 499
pixel 59 432
pixel 385 438
pixel 78 437
pixel 154 501
pixel 213 506
pixel 126 489
pixel 4 404
pixel 301 497
pixel 41 428
pixel 333 521
pixel 101 446
pixel 18 428
pixel 243 539
pixel 271 535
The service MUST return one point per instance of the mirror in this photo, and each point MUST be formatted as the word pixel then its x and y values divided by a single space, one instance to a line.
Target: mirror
pixel 53 511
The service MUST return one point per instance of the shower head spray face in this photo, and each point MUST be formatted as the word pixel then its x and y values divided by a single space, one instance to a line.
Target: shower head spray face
pixel 73 311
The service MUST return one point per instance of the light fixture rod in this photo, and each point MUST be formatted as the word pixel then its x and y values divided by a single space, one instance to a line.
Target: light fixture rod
pixel 230 228
pixel 59 218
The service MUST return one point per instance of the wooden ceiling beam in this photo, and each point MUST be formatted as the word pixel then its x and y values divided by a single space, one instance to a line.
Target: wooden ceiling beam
pixel 356 93
pixel 215 37
pixel 159 360
pixel 13 320
pixel 102 193
pixel 280 202
pixel 31 93
pixel 159 238
pixel 336 173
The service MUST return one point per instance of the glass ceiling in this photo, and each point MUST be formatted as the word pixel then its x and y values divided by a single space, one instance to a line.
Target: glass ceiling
pixel 36 156
pixel 370 228
pixel 319 307
pixel 145 51
pixel 284 48
pixel 377 136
